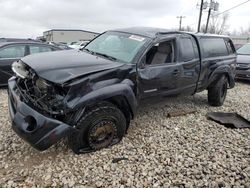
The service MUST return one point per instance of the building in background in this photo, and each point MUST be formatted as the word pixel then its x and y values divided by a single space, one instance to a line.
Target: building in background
pixel 240 40
pixel 68 35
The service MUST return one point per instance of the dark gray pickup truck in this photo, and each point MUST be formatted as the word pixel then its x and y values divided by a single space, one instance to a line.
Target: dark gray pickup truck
pixel 90 95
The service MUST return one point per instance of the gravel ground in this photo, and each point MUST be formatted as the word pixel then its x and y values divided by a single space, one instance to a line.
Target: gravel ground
pixel 185 151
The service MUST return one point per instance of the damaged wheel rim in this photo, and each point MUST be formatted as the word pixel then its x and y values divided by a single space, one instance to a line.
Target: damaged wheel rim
pixel 102 134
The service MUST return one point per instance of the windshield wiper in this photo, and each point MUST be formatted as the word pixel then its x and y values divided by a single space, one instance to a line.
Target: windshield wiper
pixel 105 55
pixel 86 50
pixel 242 54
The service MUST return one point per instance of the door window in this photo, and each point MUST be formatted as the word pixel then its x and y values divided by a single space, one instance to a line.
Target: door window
pixel 12 52
pixel 39 49
pixel 161 53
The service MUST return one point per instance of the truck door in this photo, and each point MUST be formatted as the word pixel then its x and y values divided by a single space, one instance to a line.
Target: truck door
pixel 189 63
pixel 158 71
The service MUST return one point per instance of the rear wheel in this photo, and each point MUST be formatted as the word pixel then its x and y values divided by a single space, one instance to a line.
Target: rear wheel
pixel 217 92
pixel 101 126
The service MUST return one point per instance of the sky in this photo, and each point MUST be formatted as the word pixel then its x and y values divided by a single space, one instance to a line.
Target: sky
pixel 30 18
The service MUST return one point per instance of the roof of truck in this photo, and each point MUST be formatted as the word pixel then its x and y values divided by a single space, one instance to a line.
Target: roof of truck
pixel 152 32
pixel 144 31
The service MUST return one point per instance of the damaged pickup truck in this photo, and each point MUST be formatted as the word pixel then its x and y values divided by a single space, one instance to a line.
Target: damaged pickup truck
pixel 90 95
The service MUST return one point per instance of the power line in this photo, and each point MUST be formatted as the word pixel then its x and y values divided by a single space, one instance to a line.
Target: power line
pixel 233 7
pixel 227 10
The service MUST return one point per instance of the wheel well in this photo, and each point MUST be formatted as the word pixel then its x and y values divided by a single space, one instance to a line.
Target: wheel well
pixel 122 103
pixel 217 77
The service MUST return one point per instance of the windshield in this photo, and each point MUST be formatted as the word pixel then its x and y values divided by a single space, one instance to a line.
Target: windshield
pixel 120 46
pixel 244 50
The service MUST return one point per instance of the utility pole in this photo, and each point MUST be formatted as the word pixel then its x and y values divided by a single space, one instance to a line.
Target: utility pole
pixel 212 6
pixel 180 17
pixel 208 16
pixel 199 22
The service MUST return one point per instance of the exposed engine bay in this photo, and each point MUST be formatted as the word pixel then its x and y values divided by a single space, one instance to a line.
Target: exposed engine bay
pixel 38 92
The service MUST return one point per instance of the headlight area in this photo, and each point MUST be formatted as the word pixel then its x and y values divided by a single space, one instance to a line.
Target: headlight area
pixel 20 69
pixel 47 97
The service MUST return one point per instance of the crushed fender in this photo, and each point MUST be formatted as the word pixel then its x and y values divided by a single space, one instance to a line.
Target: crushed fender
pixel 230 120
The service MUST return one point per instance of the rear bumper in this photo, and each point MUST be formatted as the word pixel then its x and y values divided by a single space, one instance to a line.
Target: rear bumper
pixel 38 130
pixel 243 74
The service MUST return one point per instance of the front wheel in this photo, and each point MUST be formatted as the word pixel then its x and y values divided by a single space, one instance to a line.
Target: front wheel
pixel 217 93
pixel 101 126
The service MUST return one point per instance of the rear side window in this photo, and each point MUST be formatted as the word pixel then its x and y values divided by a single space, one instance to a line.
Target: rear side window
pixel 213 47
pixel 38 49
pixel 230 47
pixel 187 49
pixel 17 51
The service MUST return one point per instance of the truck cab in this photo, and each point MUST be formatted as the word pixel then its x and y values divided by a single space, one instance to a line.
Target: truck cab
pixel 170 66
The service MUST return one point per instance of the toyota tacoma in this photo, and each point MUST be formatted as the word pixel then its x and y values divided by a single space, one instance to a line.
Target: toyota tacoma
pixel 90 95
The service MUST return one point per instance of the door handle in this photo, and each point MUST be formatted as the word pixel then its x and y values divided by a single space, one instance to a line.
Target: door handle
pixel 175 72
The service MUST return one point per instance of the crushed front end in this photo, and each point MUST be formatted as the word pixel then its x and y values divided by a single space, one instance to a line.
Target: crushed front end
pixel 36 108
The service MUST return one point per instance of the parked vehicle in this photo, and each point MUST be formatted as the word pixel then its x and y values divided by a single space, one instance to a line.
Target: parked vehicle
pixel 90 95
pixel 237 46
pixel 13 51
pixel 18 40
pixel 63 46
pixel 79 44
pixel 243 63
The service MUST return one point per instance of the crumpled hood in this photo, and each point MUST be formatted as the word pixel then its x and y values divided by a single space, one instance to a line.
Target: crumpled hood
pixel 243 59
pixel 62 66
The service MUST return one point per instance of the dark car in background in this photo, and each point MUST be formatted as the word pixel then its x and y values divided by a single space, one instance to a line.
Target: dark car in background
pixel 243 63
pixel 18 40
pixel 13 51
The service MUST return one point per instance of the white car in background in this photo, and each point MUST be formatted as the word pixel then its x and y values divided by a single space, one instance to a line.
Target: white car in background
pixel 79 44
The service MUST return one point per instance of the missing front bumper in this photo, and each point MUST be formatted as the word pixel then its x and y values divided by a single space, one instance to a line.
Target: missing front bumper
pixel 38 130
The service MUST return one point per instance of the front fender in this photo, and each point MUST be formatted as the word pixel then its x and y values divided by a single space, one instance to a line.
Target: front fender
pixel 119 89
pixel 223 69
